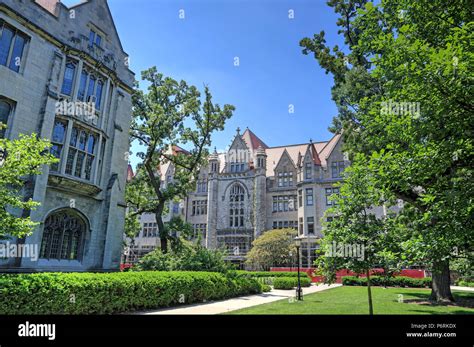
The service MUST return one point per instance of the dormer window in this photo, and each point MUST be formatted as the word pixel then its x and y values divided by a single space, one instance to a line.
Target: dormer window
pixel 337 168
pixel 94 39
pixel 285 179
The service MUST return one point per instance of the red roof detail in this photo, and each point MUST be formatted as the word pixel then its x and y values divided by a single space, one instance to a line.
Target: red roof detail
pixel 48 5
pixel 253 140
pixel 130 173
pixel 177 149
pixel 314 154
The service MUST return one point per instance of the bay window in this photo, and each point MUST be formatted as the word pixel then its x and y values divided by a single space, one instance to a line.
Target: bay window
pixel 79 152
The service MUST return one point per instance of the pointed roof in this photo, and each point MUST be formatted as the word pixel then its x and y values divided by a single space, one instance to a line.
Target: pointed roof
pixel 130 173
pixel 283 155
pixel 313 153
pixel 239 141
pixel 49 5
pixel 320 151
pixel 115 32
pixel 253 141
pixel 330 145
pixel 274 154
pixel 177 149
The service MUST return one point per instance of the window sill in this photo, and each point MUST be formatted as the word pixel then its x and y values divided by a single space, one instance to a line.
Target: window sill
pixel 75 185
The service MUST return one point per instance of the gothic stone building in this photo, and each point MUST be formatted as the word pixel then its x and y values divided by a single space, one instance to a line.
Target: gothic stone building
pixel 55 60
pixel 252 188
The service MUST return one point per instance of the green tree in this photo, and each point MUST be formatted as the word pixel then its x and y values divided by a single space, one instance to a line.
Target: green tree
pixel 272 248
pixel 169 114
pixel 357 238
pixel 20 159
pixel 402 88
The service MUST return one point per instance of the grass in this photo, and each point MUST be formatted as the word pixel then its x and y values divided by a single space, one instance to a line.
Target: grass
pixel 353 300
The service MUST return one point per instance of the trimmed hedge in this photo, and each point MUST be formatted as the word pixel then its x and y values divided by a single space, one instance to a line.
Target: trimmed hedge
pixel 108 293
pixel 397 281
pixel 464 283
pixel 290 282
pixel 271 274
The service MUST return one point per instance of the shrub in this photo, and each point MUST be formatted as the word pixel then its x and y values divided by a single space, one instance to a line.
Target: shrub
pixel 271 274
pixel 463 283
pixel 108 293
pixel 188 258
pixel 268 278
pixel 290 282
pixel 397 281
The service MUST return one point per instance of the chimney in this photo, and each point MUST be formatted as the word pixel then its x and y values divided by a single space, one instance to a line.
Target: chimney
pixel 49 5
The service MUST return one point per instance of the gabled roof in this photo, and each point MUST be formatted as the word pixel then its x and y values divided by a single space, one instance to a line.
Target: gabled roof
pixel 313 153
pixel 49 5
pixel 239 141
pixel 274 154
pixel 283 155
pixel 177 149
pixel 327 150
pixel 87 2
pixel 253 141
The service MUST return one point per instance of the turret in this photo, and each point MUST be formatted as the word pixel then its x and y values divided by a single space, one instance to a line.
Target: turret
pixel 261 158
pixel 214 163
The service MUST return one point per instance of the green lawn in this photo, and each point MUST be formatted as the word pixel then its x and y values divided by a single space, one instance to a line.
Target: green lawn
pixel 353 300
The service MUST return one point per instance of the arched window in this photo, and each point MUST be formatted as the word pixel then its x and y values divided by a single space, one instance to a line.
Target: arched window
pixel 63 236
pixel 5 110
pixel 236 212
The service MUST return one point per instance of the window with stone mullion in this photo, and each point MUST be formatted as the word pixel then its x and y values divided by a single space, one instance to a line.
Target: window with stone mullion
pixel 12 46
pixel 81 154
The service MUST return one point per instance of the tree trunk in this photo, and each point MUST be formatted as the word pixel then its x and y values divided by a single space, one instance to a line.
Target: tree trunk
pixel 441 290
pixel 369 293
pixel 161 228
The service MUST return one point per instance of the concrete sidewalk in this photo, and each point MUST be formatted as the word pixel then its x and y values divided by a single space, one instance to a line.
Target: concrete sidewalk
pixel 466 289
pixel 217 307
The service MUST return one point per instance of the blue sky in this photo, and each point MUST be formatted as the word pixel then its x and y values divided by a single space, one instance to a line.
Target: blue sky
pixel 273 73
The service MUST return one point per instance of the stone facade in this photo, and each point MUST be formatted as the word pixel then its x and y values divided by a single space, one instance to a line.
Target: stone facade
pixel 68 59
pixel 252 188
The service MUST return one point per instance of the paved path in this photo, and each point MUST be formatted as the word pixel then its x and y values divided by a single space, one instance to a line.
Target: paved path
pixel 217 307
pixel 467 289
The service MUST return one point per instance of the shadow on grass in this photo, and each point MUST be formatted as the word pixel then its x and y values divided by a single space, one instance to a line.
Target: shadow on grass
pixel 462 300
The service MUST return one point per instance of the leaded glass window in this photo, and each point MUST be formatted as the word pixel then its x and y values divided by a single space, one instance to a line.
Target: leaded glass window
pixel 63 236
pixel 236 212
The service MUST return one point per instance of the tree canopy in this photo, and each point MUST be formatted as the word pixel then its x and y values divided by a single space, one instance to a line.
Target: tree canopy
pixel 403 90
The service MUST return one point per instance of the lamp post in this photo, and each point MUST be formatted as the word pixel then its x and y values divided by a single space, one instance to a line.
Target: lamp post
pixel 291 261
pixel 299 295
